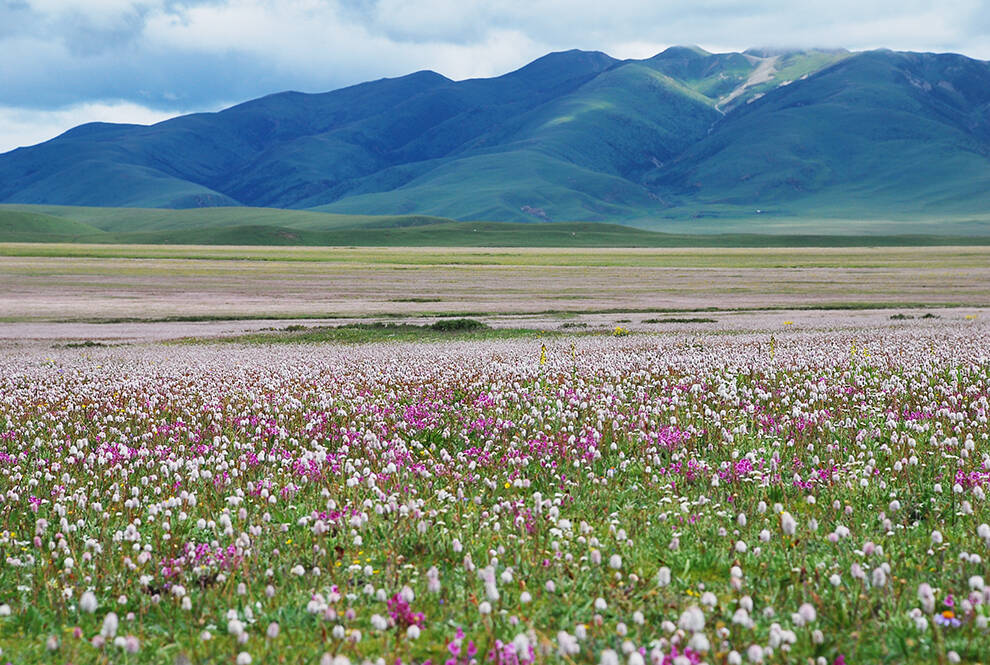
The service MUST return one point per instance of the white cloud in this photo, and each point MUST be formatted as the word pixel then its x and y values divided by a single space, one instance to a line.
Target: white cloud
pixel 22 127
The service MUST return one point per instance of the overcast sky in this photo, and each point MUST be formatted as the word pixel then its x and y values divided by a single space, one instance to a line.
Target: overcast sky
pixel 65 62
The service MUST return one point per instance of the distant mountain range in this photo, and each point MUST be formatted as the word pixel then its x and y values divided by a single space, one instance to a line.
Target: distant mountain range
pixel 573 136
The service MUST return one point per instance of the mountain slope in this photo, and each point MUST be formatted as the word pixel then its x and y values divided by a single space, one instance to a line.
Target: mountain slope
pixel 572 136
pixel 878 132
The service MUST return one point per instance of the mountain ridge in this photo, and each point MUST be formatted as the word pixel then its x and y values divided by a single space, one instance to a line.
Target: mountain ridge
pixel 574 135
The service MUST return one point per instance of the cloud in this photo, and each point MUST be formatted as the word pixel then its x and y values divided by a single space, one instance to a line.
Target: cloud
pixel 23 127
pixel 172 55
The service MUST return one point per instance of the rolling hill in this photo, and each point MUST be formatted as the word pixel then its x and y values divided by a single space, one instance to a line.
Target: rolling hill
pixel 686 140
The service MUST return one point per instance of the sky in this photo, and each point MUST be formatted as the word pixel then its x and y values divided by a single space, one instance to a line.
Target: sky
pixel 66 62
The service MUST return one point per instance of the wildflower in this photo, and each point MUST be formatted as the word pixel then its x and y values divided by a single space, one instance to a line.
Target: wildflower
pixel 947 618
pixel 567 645
pixel 131 644
pixel 433 580
pixel 663 576
pixel 787 523
pixel 244 658
pixel 235 627
pixel 692 620
pixel 87 602
pixel 926 596
pixel 808 613
pixel 272 631
pixel 110 623
pixel 879 577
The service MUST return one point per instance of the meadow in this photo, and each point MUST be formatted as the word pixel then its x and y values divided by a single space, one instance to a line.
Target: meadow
pixel 67 282
pixel 786 496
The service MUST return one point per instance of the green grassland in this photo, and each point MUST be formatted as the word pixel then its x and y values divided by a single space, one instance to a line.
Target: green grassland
pixel 443 330
pixel 275 227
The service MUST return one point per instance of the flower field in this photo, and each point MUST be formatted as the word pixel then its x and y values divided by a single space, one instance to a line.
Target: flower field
pixel 817 497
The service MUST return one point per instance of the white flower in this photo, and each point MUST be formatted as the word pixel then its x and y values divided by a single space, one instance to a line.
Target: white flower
pixel 787 523
pixel 87 602
pixel 663 576
pixel 609 657
pixel 132 644
pixel 926 596
pixel 879 577
pixel 110 624
pixel 567 645
pixel 272 631
pixel 936 537
pixel 692 620
pixel 600 604
pixel 699 642
pixel 244 658
pixel 615 562
pixel 412 632
pixel 525 597
pixel 808 613
pixel 485 607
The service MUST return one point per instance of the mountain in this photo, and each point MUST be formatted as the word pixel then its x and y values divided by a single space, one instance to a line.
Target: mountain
pixel 575 136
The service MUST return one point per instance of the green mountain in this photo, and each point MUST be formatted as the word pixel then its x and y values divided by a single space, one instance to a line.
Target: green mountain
pixel 666 143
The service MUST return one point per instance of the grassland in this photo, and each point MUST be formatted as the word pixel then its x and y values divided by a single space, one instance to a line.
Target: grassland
pixel 962 257
pixel 270 227
pixel 158 283
pixel 443 330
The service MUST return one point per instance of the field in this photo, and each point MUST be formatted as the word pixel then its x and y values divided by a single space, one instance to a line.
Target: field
pixel 102 283
pixel 491 455
pixel 272 227
pixel 786 496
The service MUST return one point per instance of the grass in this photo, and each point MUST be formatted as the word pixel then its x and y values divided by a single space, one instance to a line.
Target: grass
pixel 871 256
pixel 556 313
pixel 459 329
pixel 265 227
